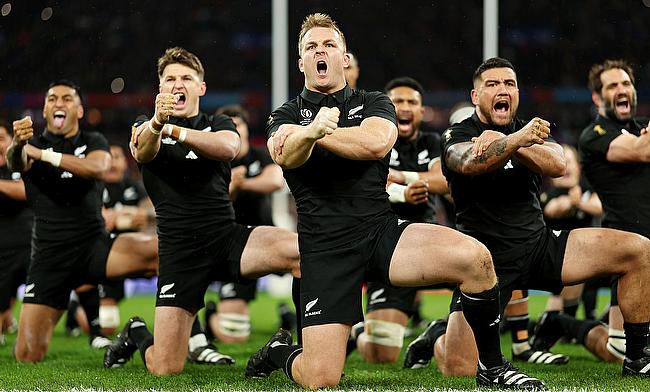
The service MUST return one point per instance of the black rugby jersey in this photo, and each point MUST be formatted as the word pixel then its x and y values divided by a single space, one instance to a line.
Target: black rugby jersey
pixel 188 191
pixel 336 198
pixel 253 208
pixel 623 188
pixel 15 217
pixel 500 208
pixel 416 155
pixel 66 207
pixel 126 192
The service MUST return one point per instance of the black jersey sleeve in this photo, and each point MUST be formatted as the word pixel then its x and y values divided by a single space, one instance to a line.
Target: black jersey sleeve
pixel 221 122
pixel 379 105
pixel 96 141
pixel 596 141
pixel 285 114
pixel 459 133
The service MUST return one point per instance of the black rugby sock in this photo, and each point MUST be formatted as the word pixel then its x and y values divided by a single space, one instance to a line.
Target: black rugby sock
pixel 139 333
pixel 196 327
pixel 636 339
pixel 518 328
pixel 89 301
pixel 575 329
pixel 571 307
pixel 295 296
pixel 481 311
pixel 282 356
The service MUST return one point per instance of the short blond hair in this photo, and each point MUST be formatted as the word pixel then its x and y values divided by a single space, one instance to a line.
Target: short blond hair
pixel 178 55
pixel 318 20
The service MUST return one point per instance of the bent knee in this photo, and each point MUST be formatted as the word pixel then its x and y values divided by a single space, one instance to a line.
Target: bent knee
pixel 325 380
pixel 25 355
pixel 458 365
pixel 165 369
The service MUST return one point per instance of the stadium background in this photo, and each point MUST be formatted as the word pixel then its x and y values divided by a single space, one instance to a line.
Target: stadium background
pixel 110 49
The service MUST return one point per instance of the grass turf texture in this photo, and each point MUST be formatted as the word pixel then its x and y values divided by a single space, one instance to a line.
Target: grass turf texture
pixel 72 364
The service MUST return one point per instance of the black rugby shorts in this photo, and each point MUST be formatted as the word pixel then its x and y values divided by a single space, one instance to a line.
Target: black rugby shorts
pixel 536 265
pixel 330 288
pixel 13 271
pixel 186 272
pixel 57 269
pixel 238 290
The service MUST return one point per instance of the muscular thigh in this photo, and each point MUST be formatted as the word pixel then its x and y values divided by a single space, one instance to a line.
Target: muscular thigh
pixel 429 254
pixel 268 249
pixel 596 252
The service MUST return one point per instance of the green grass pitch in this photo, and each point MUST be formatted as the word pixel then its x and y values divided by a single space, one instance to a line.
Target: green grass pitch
pixel 72 364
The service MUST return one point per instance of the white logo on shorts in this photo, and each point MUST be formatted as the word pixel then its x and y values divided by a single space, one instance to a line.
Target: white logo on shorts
pixel 375 297
pixel 191 155
pixel 557 232
pixel 508 165
pixel 165 289
pixel 29 288
pixel 310 305
pixel 228 290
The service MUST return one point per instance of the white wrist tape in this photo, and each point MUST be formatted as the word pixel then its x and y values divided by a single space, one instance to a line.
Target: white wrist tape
pixel 384 333
pixel 182 135
pixel 410 177
pixel 396 193
pixel 51 157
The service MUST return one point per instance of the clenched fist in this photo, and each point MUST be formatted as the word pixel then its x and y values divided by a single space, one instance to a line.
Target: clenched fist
pixel 416 192
pixel 535 132
pixel 165 103
pixel 23 130
pixel 325 123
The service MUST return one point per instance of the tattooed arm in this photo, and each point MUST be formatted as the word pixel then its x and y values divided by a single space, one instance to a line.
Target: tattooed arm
pixel 491 149
pixel 460 157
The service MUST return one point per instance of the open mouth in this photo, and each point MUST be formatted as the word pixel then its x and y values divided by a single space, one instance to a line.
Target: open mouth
pixel 623 104
pixel 181 99
pixel 404 124
pixel 321 67
pixel 59 118
pixel 502 107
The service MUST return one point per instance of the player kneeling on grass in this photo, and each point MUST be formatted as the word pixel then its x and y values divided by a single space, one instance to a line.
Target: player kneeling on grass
pixel 184 156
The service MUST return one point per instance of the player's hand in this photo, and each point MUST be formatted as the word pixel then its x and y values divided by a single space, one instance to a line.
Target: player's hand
pixel 575 194
pixel 165 103
pixel 23 130
pixel 416 192
pixel 279 137
pixel 535 132
pixel 484 140
pixel 325 123
pixel 396 176
pixel 237 177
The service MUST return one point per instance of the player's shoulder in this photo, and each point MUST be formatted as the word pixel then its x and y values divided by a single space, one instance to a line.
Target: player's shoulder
pixel 92 136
